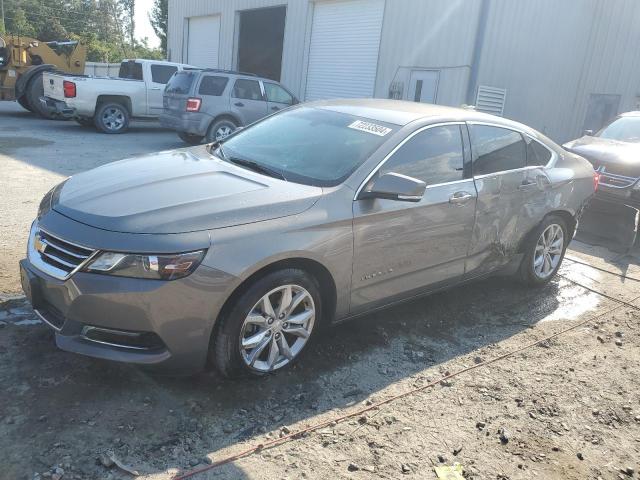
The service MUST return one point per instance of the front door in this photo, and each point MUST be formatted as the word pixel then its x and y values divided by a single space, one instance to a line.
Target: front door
pixel 277 97
pixel 402 247
pixel 423 86
pixel 248 101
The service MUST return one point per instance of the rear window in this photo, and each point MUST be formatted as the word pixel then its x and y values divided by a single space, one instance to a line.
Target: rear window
pixel 210 85
pixel 162 73
pixel 181 82
pixel 130 70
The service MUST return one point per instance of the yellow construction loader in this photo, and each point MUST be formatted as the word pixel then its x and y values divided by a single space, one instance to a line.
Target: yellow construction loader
pixel 23 60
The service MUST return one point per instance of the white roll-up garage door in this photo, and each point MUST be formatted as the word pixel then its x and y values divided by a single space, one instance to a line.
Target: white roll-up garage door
pixel 343 54
pixel 203 41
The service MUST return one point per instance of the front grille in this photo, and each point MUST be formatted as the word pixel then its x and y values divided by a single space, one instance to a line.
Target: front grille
pixel 59 253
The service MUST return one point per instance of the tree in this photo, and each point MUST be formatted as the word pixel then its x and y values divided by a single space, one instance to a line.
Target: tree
pixel 20 24
pixel 159 18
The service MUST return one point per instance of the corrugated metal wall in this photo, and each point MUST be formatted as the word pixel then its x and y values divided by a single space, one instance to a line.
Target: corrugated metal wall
pixel 428 34
pixel 549 55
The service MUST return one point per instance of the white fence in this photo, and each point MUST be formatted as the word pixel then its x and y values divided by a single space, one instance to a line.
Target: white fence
pixel 99 69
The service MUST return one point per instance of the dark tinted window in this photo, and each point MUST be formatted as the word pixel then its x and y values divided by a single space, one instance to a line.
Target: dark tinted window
pixel 247 89
pixel 212 85
pixel 162 73
pixel 537 154
pixel 309 145
pixel 433 156
pixel 180 82
pixel 275 93
pixel 496 149
pixel 131 70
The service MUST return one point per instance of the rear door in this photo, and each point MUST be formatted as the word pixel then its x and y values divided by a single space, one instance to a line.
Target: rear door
pixel 157 78
pixel 400 247
pixel 248 101
pixel 277 97
pixel 210 91
pixel 503 183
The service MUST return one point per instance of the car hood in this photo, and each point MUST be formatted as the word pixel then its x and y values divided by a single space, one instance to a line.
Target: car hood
pixel 601 151
pixel 176 192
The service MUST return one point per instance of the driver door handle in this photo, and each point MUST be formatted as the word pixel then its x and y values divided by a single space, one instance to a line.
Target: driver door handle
pixel 460 198
pixel 239 104
pixel 156 88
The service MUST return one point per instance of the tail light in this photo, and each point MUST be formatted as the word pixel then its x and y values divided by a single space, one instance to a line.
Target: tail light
pixel 596 181
pixel 69 89
pixel 193 104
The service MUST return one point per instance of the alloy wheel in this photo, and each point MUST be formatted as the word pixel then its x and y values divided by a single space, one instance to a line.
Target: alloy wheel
pixel 223 132
pixel 113 118
pixel 277 328
pixel 548 251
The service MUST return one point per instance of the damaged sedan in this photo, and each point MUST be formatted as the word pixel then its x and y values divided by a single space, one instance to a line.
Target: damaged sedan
pixel 237 253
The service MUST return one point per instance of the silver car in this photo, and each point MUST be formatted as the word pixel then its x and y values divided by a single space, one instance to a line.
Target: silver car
pixel 239 252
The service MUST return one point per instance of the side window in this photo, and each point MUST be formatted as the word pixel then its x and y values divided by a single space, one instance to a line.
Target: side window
pixel 496 149
pixel 130 70
pixel 247 89
pixel 433 156
pixel 537 154
pixel 210 85
pixel 162 73
pixel 275 93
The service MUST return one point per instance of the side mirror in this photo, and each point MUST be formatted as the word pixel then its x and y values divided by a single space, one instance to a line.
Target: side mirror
pixel 588 133
pixel 395 186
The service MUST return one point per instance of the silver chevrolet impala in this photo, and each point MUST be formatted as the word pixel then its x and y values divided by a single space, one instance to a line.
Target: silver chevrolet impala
pixel 237 253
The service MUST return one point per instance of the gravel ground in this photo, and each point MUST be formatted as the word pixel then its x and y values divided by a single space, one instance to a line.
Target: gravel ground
pixel 568 408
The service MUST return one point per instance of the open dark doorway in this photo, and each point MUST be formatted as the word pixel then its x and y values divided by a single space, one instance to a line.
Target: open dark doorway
pixel 260 41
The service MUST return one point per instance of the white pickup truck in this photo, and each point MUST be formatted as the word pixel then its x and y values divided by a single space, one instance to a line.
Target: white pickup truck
pixel 106 102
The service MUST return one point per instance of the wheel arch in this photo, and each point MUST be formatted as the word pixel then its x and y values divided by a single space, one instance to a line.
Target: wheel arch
pixel 568 217
pixel 225 116
pixel 123 100
pixel 316 269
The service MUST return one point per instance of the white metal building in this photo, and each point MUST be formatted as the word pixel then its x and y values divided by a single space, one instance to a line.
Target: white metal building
pixel 559 66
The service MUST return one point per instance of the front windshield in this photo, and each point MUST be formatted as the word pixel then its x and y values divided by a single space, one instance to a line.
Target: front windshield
pixel 623 129
pixel 307 145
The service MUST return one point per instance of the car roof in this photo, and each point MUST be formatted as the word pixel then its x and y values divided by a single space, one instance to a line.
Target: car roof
pixel 401 112
pixel 630 114
pixel 220 71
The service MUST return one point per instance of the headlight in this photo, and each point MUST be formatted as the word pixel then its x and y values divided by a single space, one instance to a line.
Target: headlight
pixel 158 267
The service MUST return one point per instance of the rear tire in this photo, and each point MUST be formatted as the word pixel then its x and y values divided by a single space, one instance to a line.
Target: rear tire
pixel 33 92
pixel 544 251
pixel 24 103
pixel 112 118
pixel 220 129
pixel 190 139
pixel 230 345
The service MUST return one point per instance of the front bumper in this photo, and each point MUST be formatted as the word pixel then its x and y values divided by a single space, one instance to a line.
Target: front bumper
pixel 57 108
pixel 164 324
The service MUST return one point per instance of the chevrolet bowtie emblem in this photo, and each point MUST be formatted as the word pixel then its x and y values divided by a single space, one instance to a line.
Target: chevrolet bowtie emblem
pixel 39 244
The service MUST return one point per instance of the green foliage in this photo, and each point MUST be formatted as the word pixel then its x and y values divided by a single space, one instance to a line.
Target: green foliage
pixel 105 26
pixel 159 18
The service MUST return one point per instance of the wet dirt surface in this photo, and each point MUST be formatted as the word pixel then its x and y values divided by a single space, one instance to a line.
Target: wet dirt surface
pixel 577 394
pixel 568 408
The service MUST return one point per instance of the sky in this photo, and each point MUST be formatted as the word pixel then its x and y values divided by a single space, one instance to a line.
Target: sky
pixel 143 26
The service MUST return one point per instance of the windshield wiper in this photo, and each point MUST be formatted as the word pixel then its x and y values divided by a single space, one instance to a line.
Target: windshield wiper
pixel 251 165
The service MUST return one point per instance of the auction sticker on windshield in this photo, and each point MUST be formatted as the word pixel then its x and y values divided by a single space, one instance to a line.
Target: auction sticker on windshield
pixel 370 128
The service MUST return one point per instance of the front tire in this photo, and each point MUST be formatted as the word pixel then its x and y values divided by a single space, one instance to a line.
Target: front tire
pixel 544 251
pixel 190 139
pixel 24 103
pixel 33 92
pixel 269 325
pixel 112 118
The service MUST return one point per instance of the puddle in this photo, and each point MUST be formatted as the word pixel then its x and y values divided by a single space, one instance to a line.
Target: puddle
pixel 573 300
